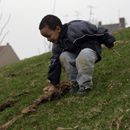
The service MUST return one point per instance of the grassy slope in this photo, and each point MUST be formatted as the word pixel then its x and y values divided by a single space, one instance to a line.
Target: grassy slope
pixel 106 107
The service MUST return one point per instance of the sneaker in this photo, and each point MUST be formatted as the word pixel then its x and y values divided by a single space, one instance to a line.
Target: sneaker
pixel 74 87
pixel 83 90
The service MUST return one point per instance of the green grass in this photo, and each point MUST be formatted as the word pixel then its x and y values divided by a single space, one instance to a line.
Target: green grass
pixel 106 107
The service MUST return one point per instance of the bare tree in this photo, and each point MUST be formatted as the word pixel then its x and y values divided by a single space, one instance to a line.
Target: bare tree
pixel 3 33
pixel 47 45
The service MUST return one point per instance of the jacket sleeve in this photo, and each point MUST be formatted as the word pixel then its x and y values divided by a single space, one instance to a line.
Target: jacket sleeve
pixel 106 38
pixel 54 69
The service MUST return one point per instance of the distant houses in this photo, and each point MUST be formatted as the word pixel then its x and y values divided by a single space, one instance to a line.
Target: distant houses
pixel 7 55
pixel 114 27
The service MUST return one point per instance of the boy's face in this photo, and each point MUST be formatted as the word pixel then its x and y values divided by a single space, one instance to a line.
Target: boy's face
pixel 51 35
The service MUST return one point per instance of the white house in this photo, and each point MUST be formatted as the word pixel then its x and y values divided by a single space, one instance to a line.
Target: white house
pixel 7 55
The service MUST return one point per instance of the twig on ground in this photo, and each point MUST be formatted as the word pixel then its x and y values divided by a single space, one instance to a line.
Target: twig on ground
pixel 8 103
pixel 50 93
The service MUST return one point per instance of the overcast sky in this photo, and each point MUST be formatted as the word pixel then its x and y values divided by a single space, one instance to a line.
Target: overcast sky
pixel 26 15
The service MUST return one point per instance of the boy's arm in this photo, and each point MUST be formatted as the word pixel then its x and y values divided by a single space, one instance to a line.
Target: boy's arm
pixel 106 38
pixel 54 69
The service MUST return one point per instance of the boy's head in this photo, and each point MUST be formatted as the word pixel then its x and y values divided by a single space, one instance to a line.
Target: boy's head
pixel 50 27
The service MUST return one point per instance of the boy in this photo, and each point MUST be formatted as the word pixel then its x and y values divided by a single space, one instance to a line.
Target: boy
pixel 76 47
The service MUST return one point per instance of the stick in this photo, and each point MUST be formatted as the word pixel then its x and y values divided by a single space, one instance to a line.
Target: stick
pixel 7 104
pixel 9 123
pixel 50 93
pixel 116 52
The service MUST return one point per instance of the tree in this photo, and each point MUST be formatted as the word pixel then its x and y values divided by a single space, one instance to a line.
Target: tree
pixel 47 45
pixel 3 32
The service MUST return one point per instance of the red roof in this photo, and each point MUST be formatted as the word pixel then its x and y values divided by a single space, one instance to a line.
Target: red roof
pixel 2 47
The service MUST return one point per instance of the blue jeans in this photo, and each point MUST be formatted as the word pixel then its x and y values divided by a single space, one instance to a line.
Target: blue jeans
pixel 79 67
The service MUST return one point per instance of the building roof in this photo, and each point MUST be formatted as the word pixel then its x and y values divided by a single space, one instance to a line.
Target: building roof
pixel 2 47
pixel 112 27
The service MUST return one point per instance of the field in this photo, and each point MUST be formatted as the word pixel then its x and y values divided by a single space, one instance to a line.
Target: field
pixel 106 107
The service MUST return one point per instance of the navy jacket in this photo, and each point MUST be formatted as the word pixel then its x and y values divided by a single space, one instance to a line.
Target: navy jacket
pixel 75 36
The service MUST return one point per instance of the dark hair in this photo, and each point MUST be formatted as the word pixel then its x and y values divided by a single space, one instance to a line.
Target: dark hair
pixel 51 20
